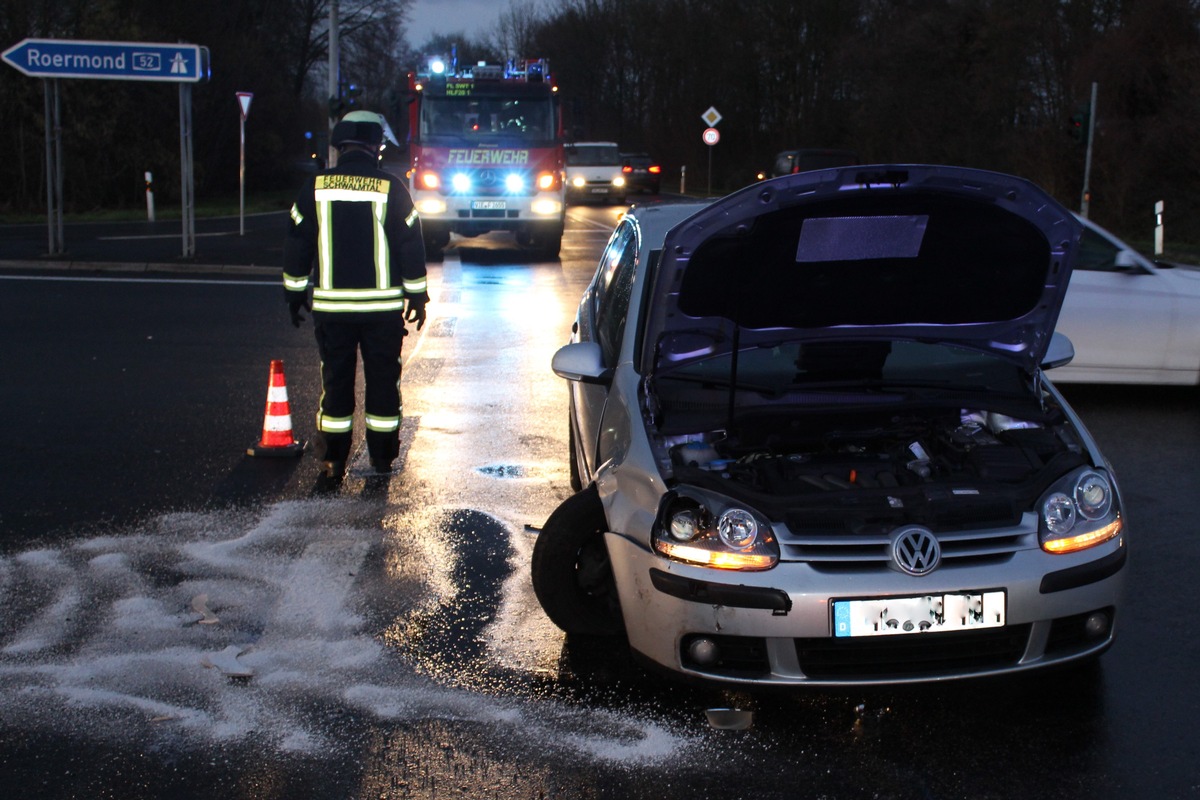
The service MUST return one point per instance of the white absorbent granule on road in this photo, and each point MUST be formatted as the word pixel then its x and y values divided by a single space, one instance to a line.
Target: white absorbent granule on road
pixel 232 626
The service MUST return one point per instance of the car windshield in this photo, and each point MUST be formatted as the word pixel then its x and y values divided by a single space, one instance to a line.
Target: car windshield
pixel 593 155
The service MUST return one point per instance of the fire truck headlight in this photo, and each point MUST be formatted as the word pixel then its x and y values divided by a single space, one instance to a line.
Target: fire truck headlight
pixel 430 180
pixel 461 182
pixel 514 182
pixel 547 208
pixel 431 207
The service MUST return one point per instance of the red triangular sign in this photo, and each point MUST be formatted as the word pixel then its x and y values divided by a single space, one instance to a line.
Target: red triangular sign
pixel 244 99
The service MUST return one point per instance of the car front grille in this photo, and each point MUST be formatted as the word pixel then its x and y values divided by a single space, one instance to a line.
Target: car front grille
pixel 832 551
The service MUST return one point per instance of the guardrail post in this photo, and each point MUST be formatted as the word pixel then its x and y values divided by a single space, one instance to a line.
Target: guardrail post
pixel 1158 228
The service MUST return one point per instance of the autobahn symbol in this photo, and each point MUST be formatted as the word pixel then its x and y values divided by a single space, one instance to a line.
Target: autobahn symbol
pixel 130 61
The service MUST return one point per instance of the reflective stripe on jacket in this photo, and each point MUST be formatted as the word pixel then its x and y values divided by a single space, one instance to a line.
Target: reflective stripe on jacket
pixel 356 238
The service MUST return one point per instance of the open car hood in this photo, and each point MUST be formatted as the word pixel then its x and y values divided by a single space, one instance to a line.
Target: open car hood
pixel 934 253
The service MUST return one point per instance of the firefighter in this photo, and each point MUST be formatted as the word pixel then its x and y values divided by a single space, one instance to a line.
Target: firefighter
pixel 355 241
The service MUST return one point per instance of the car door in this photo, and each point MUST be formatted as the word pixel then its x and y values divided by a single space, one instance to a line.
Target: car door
pixel 602 320
pixel 1119 313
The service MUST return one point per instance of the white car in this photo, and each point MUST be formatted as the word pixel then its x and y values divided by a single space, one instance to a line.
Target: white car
pixel 1132 320
pixel 814 442
pixel 594 172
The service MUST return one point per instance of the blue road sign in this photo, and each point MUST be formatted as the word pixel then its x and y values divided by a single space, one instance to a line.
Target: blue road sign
pixel 129 61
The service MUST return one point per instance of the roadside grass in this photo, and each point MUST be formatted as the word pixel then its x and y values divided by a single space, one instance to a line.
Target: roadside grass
pixel 206 207
pixel 1179 252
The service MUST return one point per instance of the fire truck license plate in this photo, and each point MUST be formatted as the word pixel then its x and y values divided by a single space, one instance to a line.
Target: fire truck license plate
pixel 488 205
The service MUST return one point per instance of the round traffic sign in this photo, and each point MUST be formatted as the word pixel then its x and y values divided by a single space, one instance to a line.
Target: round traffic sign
pixel 711 136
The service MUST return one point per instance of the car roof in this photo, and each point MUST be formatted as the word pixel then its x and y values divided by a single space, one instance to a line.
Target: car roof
pixel 655 218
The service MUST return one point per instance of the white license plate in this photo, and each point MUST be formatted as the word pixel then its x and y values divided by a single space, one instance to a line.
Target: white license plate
pixel 488 205
pixel 891 616
pixel 599 190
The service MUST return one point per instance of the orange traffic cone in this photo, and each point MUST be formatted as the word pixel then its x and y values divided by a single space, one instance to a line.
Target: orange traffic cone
pixel 277 425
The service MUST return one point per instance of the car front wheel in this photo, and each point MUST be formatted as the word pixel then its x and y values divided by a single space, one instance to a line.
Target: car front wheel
pixel 572 576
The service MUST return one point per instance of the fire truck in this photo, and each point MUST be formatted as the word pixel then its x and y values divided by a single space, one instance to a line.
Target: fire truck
pixel 486 149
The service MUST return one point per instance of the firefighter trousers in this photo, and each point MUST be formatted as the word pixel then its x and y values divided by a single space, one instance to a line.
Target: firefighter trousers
pixel 339 344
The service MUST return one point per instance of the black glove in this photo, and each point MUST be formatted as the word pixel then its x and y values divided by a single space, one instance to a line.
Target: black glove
pixel 294 306
pixel 415 312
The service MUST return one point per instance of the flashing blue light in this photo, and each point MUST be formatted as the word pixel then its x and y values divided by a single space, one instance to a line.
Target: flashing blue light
pixel 437 66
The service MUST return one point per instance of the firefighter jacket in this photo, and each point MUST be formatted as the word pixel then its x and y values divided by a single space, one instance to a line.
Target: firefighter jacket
pixel 355 238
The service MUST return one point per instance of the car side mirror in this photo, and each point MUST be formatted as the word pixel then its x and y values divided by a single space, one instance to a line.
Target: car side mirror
pixel 581 361
pixel 1059 353
pixel 1126 261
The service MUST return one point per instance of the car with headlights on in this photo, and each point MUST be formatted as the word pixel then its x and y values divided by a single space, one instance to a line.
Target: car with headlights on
pixel 814 442
pixel 594 172
pixel 1131 319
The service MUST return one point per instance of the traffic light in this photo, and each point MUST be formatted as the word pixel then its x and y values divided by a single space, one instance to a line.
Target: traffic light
pixel 1078 127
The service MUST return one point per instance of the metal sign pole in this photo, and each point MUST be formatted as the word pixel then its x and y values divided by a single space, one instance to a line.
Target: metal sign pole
pixel 46 90
pixel 59 241
pixel 48 87
pixel 243 99
pixel 54 171
pixel 186 182
pixel 242 181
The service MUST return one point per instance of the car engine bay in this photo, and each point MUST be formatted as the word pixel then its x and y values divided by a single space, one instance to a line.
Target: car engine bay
pixel 907 466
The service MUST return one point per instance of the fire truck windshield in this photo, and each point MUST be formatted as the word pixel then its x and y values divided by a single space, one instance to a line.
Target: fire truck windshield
pixel 467 119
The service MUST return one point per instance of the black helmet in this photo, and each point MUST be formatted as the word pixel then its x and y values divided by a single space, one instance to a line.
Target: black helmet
pixel 361 127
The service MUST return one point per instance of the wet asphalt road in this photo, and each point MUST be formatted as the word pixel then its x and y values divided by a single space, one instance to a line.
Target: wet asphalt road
pixel 395 646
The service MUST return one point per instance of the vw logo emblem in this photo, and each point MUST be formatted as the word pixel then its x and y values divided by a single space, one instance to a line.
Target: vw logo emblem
pixel 916 550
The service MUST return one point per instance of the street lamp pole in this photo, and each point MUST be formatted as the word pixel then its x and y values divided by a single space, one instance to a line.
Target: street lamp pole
pixel 334 73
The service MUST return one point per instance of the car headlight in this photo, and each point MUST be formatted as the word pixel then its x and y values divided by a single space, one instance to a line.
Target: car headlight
pixel 618 181
pixel 1078 512
pixel 713 532
pixel 578 182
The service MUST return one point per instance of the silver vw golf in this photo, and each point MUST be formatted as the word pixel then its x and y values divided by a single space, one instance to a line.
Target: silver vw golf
pixel 813 440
